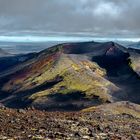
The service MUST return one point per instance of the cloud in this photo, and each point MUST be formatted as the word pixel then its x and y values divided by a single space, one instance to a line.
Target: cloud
pixel 99 17
pixel 107 9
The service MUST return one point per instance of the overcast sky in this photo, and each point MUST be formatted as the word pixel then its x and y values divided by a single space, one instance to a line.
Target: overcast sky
pixel 97 17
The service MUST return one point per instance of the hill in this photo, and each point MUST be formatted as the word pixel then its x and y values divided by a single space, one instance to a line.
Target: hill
pixel 72 76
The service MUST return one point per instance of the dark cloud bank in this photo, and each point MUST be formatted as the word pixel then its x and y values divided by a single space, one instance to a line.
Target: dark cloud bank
pixel 99 17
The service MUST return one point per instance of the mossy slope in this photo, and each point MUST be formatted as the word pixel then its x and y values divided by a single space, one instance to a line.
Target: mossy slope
pixel 74 73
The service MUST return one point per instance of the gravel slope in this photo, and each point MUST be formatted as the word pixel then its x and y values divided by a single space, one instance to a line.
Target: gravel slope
pixel 95 124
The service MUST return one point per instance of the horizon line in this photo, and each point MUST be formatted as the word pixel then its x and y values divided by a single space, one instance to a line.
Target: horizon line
pixel 35 38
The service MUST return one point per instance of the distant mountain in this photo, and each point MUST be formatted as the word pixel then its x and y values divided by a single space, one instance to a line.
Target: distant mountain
pixel 134 45
pixel 71 76
pixel 3 53
pixel 9 61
